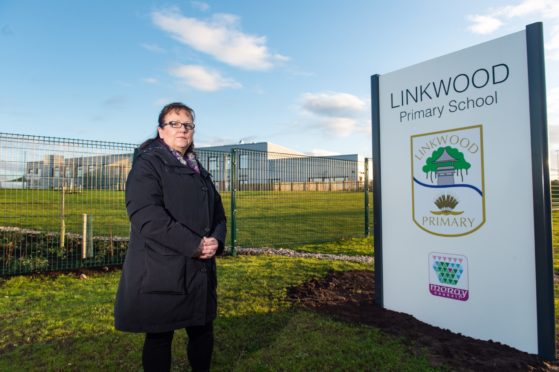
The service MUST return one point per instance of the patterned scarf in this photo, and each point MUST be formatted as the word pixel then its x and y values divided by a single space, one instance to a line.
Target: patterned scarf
pixel 189 159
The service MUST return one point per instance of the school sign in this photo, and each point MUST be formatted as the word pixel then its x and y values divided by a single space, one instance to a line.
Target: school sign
pixel 462 203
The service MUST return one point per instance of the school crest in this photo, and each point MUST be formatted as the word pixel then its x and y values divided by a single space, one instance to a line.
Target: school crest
pixel 448 194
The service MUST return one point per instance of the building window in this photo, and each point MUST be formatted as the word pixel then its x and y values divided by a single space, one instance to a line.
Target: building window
pixel 243 160
pixel 212 164
pixel 80 171
pixel 56 172
pixel 243 180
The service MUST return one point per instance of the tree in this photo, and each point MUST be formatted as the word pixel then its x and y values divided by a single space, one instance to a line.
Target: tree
pixel 459 164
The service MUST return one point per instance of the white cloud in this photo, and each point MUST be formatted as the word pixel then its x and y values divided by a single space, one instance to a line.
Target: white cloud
pixel 153 48
pixel 545 8
pixel 553 106
pixel 342 127
pixel 151 80
pixel 552 45
pixel 553 133
pixel 332 103
pixel 335 113
pixel 204 7
pixel 203 140
pixel 219 37
pixel 553 130
pixel 202 78
pixel 495 18
pixel 484 24
pixel 528 11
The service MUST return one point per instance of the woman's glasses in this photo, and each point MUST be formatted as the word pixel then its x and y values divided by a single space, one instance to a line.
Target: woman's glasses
pixel 178 124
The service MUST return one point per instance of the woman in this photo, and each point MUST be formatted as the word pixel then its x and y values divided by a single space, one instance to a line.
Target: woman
pixel 177 227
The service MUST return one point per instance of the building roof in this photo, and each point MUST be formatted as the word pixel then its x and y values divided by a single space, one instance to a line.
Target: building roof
pixel 274 148
pixel 254 146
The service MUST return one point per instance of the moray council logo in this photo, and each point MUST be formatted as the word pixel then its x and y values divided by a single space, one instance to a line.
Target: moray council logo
pixel 448 276
pixel 447 181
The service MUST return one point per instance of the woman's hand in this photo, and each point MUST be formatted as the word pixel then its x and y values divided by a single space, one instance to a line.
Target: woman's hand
pixel 208 247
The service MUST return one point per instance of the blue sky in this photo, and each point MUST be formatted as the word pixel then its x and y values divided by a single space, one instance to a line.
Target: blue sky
pixel 295 73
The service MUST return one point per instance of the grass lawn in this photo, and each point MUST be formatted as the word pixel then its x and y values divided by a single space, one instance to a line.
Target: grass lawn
pixel 65 323
pixel 350 247
pixel 555 239
pixel 264 218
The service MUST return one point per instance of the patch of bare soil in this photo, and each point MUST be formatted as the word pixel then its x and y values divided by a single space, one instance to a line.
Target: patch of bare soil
pixel 82 273
pixel 349 296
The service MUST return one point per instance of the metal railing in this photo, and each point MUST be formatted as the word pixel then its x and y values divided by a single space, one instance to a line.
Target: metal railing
pixel 555 195
pixel 56 191
pixel 283 200
pixel 62 200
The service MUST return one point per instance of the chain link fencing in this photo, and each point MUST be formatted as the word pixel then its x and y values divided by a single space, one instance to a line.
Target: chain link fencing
pixel 62 200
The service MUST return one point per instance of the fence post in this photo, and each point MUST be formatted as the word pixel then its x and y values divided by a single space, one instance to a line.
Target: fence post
pixel 366 188
pixel 233 202
pixel 62 222
pixel 84 237
pixel 89 236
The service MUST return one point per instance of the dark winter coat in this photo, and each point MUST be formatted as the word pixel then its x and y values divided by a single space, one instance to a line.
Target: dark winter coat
pixel 171 208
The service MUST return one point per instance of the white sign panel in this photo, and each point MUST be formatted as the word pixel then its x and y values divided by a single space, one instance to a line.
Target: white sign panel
pixel 456 181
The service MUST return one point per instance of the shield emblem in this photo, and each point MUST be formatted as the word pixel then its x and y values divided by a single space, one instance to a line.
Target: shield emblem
pixel 448 193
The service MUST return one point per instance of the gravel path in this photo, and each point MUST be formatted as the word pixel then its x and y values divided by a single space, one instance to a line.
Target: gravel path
pixel 292 253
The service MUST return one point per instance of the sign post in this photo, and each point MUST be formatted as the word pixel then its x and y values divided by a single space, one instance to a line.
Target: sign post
pixel 462 211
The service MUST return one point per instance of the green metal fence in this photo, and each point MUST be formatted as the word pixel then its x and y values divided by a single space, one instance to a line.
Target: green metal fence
pixel 555 195
pixel 281 200
pixel 62 200
pixel 56 191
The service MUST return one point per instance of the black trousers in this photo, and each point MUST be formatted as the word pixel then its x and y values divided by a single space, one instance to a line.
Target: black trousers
pixel 156 355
